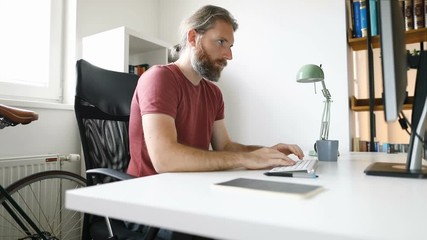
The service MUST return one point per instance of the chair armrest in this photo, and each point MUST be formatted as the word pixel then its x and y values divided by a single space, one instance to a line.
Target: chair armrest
pixel 110 173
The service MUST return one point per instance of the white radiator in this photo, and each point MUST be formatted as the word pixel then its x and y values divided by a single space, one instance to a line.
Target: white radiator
pixel 15 168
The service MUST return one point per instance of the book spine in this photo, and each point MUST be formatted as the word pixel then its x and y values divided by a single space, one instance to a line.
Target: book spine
pixel 363 146
pixel 350 17
pixel 373 17
pixel 402 6
pixel 356 146
pixel 418 14
pixel 409 16
pixel 363 20
pixel 356 13
pixel 425 13
pixel 131 69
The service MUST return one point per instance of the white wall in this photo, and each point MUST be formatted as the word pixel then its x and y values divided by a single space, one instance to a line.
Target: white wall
pixel 264 103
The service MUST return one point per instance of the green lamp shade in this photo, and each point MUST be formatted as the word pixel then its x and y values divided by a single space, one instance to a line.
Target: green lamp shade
pixel 310 73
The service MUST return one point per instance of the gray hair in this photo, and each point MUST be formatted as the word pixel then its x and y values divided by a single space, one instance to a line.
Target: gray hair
pixel 201 21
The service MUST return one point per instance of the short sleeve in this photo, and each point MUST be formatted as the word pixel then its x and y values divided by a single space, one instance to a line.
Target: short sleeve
pixel 158 92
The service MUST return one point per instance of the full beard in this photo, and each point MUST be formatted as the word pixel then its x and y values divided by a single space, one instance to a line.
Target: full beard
pixel 208 68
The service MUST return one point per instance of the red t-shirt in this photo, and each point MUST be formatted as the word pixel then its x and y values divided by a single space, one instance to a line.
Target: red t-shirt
pixel 165 89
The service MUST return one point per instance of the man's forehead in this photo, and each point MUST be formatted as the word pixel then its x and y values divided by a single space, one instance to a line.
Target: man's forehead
pixel 223 30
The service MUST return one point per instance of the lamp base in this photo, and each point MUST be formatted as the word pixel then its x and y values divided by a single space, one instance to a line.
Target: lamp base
pixel 312 153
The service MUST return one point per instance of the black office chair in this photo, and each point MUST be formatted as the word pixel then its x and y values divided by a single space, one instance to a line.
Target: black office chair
pixel 102 108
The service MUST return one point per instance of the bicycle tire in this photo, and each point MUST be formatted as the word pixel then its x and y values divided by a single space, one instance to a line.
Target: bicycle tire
pixel 41 196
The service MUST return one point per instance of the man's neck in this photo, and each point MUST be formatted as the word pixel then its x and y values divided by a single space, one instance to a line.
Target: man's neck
pixel 184 64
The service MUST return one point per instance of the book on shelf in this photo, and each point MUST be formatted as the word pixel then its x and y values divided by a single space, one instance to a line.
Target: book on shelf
pixel 138 69
pixel 364 146
pixel 402 6
pixel 394 147
pixel 418 14
pixel 356 144
pixel 363 18
pixel 350 16
pixel 414 13
pixel 358 16
pixel 373 17
pixel 357 28
pixel 425 13
pixel 409 15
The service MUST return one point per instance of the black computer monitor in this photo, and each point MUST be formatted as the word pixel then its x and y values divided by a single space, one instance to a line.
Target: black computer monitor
pixel 394 72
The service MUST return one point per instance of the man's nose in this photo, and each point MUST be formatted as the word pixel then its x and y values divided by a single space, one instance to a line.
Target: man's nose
pixel 228 54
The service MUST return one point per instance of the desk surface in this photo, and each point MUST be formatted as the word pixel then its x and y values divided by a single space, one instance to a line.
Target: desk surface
pixel 353 205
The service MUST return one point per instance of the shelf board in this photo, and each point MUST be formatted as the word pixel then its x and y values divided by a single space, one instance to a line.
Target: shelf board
pixel 362 105
pixel 412 36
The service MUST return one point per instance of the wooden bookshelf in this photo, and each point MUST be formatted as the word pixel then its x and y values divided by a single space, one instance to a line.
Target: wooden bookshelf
pixel 412 36
pixel 357 44
pixel 361 105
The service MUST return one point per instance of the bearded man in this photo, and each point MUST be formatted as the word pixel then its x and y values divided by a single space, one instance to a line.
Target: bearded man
pixel 177 121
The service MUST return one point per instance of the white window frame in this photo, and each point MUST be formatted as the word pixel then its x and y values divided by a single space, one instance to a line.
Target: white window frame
pixel 53 92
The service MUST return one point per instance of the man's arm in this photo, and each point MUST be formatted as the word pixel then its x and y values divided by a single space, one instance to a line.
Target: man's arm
pixel 168 155
pixel 221 140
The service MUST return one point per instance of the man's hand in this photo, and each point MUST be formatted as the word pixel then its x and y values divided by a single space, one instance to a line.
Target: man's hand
pixel 289 149
pixel 265 157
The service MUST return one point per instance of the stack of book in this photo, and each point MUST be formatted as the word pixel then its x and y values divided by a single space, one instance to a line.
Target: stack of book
pixel 138 69
pixel 394 148
pixel 364 146
pixel 414 12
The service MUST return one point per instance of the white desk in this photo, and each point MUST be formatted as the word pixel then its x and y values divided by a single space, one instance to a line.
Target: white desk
pixel 353 206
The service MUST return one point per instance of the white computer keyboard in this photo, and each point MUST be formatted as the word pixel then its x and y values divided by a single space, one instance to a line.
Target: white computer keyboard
pixel 301 166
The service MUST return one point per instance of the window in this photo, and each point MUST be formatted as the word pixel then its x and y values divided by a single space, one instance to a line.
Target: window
pixel 31 49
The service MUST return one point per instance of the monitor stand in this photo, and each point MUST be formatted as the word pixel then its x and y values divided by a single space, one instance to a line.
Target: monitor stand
pixel 394 170
pixel 413 167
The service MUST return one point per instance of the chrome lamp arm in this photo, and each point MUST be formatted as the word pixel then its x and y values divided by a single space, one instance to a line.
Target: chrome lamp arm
pixel 326 116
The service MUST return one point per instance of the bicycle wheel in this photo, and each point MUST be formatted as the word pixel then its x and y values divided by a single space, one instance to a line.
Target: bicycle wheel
pixel 41 196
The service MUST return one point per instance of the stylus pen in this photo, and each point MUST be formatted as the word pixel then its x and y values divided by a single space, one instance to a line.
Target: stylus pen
pixel 287 174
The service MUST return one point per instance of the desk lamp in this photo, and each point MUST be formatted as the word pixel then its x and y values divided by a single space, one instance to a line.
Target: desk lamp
pixel 311 73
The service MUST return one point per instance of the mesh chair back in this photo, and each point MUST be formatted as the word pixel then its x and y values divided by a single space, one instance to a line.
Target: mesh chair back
pixel 102 108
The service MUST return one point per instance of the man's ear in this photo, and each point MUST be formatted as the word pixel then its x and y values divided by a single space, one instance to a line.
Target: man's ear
pixel 192 37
